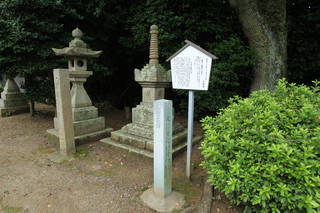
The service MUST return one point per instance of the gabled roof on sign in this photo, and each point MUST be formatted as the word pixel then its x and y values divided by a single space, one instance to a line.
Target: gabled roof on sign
pixel 189 43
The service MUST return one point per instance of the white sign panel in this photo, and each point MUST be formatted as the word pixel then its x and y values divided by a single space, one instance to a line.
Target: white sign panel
pixel 191 70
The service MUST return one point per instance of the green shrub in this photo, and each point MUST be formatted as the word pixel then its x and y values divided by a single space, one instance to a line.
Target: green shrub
pixel 1 88
pixel 264 151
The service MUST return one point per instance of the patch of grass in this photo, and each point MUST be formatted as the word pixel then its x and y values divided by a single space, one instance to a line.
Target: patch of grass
pixel 10 209
pixel 145 188
pixel 7 114
pixel 82 152
pixel 186 188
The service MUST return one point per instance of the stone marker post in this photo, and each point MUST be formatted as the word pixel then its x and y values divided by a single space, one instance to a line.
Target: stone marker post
pixel 162 163
pixel 160 197
pixel 64 111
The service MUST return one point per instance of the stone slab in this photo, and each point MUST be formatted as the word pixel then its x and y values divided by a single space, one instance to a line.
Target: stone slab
pixel 175 149
pixel 127 147
pixel 170 203
pixel 82 139
pixel 12 102
pixel 88 126
pixel 56 157
pixel 12 95
pixel 130 139
pixel 84 113
pixel 4 112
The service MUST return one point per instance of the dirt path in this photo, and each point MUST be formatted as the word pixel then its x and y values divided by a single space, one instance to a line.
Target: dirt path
pixel 102 179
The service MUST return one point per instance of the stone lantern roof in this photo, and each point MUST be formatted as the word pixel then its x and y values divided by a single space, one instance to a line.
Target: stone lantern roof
pixel 77 48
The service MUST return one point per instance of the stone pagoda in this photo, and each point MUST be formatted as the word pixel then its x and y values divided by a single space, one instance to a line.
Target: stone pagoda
pixel 12 99
pixel 138 135
pixel 87 125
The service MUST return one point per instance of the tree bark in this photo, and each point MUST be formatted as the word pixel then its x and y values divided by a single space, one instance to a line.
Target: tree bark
pixel 264 24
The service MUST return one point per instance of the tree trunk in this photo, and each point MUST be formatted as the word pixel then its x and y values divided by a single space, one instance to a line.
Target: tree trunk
pixel 32 108
pixel 264 23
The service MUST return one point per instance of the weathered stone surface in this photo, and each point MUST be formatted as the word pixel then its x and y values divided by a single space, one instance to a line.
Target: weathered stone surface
pixel 64 115
pixel 12 100
pixel 79 140
pixel 162 160
pixel 87 126
pixel 174 201
pixel 84 113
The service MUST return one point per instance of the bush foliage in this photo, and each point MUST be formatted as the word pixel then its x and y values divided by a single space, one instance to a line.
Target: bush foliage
pixel 263 151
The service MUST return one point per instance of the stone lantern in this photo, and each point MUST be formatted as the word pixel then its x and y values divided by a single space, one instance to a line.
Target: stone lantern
pixel 138 135
pixel 87 125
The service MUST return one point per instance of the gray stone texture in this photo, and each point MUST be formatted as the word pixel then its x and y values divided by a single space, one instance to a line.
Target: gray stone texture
pixel 170 203
pixel 88 126
pixel 12 100
pixel 64 115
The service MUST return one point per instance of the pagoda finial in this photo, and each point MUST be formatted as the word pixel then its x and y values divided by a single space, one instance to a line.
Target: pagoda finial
pixel 77 33
pixel 154 56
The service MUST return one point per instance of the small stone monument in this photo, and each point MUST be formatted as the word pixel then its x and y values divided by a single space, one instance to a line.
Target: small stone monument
pixel 87 125
pixel 138 135
pixel 12 99
pixel 161 197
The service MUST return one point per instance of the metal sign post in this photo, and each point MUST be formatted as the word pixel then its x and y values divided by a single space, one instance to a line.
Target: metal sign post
pixel 190 133
pixel 190 69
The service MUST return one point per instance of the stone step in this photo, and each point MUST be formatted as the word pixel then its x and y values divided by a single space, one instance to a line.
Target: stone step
pixel 12 95
pixel 175 149
pixel 129 139
pixel 133 149
pixel 88 126
pixel 12 110
pixel 13 103
pixel 79 140
pixel 180 136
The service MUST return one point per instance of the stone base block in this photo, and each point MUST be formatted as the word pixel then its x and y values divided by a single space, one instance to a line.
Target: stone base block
pixel 85 126
pixel 174 201
pixel 12 103
pixel 12 95
pixel 4 112
pixel 88 126
pixel 84 113
pixel 79 140
pixel 128 142
pixel 56 157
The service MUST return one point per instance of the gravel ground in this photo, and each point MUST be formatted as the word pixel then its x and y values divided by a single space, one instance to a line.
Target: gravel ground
pixel 101 179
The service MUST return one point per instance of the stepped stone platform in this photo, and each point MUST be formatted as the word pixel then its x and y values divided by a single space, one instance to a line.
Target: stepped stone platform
pixel 130 142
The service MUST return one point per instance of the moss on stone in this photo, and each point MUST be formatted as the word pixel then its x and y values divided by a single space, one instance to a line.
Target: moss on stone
pixel 10 209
